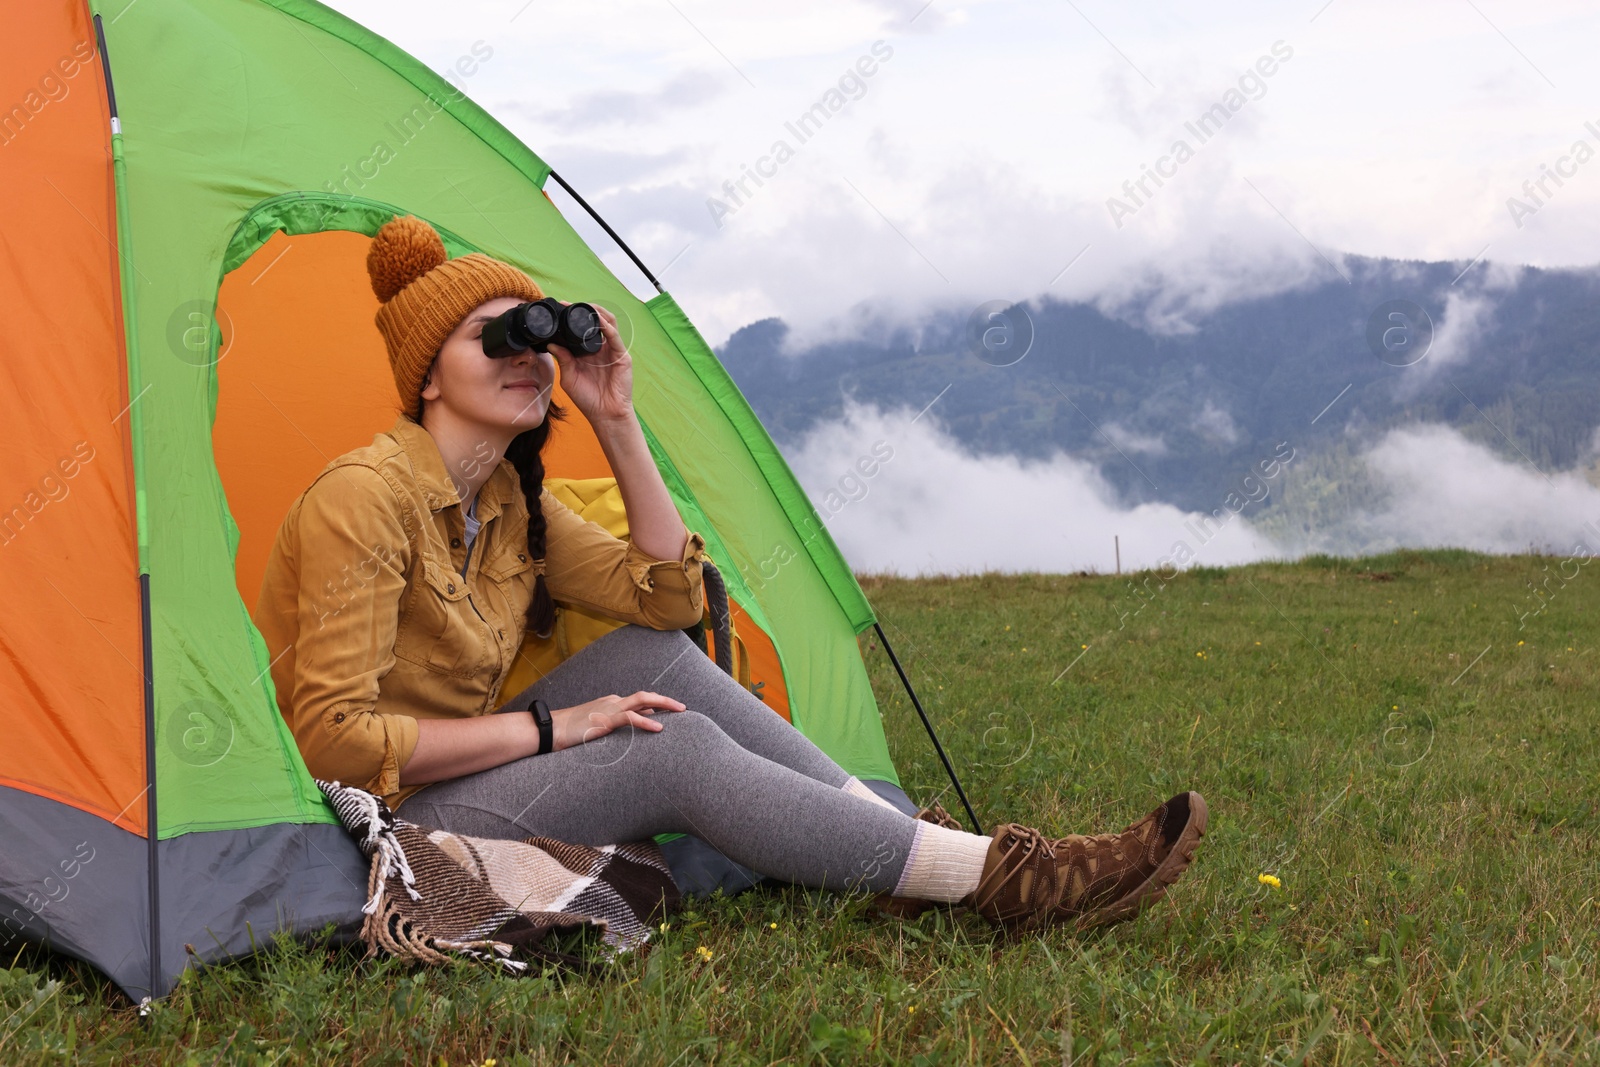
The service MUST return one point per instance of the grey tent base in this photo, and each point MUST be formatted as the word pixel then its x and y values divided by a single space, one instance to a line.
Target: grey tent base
pixel 699 870
pixel 76 884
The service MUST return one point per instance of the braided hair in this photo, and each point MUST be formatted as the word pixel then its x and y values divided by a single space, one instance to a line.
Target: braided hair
pixel 525 453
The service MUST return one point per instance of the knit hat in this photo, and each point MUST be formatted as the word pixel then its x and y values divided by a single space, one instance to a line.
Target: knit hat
pixel 424 296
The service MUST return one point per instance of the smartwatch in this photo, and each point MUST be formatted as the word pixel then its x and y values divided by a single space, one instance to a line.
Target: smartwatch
pixel 541 715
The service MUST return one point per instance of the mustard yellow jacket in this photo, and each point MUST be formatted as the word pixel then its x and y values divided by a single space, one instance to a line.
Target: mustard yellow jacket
pixel 371 624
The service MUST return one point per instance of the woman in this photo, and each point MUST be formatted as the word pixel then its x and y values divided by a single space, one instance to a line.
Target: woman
pixel 403 580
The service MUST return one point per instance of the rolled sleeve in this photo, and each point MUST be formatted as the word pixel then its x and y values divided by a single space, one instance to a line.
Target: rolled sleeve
pixel 667 583
pixel 589 567
pixel 352 556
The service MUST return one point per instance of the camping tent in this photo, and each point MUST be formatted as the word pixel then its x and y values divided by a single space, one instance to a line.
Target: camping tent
pixel 190 188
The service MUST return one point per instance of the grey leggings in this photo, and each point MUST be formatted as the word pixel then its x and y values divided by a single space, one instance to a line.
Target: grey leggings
pixel 728 770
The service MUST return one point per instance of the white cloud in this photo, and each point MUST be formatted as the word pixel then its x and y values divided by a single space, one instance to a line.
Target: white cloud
pixel 1459 333
pixel 1431 487
pixel 1465 317
pixel 989 143
pixel 1133 441
pixel 1446 491
pixel 1215 422
pixel 630 107
pixel 931 508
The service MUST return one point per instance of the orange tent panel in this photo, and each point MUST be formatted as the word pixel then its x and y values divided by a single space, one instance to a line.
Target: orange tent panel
pixel 66 488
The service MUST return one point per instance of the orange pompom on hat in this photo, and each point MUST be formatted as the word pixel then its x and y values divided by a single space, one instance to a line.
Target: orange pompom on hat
pixel 424 296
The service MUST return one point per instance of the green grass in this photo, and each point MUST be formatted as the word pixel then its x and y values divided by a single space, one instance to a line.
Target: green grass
pixel 1430 813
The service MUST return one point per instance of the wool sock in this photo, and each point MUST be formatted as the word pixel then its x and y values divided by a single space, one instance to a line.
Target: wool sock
pixel 944 865
pixel 856 787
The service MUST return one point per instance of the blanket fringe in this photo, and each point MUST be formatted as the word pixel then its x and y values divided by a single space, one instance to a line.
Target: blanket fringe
pixel 392 933
pixel 448 927
pixel 362 811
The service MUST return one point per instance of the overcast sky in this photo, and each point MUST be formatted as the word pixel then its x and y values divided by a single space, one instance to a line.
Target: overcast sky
pixel 976 161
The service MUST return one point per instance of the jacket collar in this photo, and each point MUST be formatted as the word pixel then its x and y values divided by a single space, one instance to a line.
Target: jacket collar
pixel 427 463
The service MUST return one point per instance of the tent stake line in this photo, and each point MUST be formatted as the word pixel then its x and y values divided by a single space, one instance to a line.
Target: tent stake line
pixel 593 214
pixel 977 827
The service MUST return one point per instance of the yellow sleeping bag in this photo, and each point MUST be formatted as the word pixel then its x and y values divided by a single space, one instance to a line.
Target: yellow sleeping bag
pixel 599 501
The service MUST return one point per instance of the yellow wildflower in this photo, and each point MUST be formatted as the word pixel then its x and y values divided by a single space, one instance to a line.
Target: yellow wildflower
pixel 911 1009
pixel 1269 879
pixel 773 925
pixel 704 953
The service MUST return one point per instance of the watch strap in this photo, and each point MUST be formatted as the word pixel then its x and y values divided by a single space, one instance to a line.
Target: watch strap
pixel 541 715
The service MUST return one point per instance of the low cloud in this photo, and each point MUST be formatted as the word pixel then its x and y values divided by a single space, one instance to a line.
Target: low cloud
pixel 1216 423
pixel 1429 486
pixel 932 508
pixel 1463 325
pixel 1133 441
pixel 1447 491
pixel 901 495
pixel 1465 319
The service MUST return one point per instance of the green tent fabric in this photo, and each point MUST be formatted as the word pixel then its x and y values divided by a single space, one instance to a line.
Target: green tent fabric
pixel 236 120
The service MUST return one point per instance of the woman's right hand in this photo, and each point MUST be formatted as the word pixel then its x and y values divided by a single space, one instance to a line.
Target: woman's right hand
pixel 586 722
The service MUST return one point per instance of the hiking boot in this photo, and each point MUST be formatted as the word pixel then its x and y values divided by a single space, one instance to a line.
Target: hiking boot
pixel 1107 878
pixel 894 907
pixel 1021 882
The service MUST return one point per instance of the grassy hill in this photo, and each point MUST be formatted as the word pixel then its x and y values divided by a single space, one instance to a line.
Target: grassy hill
pixel 1414 758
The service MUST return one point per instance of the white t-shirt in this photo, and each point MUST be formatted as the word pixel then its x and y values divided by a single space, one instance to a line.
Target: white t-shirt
pixel 472 532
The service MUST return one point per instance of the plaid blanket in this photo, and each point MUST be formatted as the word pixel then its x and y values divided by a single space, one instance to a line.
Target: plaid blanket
pixel 432 894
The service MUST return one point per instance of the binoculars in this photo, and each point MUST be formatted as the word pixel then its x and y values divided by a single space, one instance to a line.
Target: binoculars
pixel 538 324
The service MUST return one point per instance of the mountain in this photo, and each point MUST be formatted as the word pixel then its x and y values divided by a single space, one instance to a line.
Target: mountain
pixel 1182 417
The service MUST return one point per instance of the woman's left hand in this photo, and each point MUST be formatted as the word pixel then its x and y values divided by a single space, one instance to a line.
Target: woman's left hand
pixel 600 385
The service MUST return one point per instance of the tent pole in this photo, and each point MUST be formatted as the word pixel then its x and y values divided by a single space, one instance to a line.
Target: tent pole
pixel 105 67
pixel 937 747
pixel 593 214
pixel 152 828
pixel 152 825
